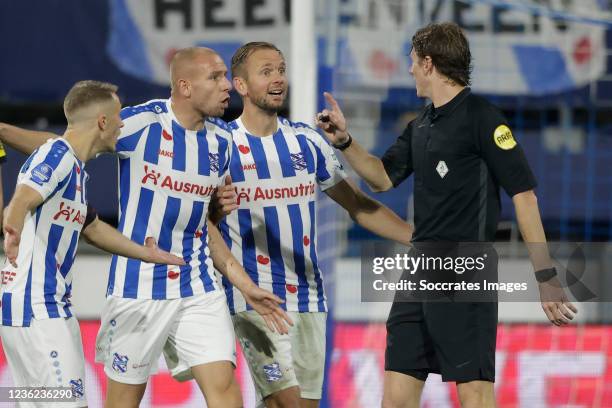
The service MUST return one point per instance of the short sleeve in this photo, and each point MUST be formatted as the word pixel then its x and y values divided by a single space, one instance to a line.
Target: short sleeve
pixel 2 154
pixel 136 121
pixel 397 160
pixel 503 155
pixel 133 128
pixel 229 152
pixel 226 150
pixel 329 170
pixel 48 167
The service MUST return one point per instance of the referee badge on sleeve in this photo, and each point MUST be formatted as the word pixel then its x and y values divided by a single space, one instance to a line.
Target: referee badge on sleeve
pixel 503 137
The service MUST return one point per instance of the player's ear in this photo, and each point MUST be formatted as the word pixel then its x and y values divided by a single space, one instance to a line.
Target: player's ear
pixel 184 87
pixel 102 121
pixel 240 85
pixel 428 64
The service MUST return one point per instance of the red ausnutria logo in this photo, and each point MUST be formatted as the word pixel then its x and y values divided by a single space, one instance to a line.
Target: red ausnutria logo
pixel 67 213
pixel 153 177
pixel 247 194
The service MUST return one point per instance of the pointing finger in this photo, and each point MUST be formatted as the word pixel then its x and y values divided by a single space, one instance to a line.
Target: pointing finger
pixel 332 102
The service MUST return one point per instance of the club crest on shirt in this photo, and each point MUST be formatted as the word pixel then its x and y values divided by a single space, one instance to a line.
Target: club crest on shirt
pixel 503 137
pixel 77 388
pixel 272 372
pixel 214 161
pixel 120 363
pixel 298 161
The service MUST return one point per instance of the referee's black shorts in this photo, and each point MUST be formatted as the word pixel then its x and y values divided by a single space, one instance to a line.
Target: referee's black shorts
pixel 454 339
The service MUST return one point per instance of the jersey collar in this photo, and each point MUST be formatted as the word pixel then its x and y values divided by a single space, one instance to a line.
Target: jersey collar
pixel 71 150
pixel 246 131
pixel 450 106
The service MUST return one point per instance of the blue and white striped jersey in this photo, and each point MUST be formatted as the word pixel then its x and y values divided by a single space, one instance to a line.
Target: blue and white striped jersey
pixel 167 175
pixel 41 284
pixel 273 231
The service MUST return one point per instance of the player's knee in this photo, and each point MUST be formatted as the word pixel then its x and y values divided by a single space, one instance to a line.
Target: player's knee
pixel 287 398
pixel 476 394
pixel 226 387
pixel 120 395
pixel 401 391
pixel 475 400
pixel 117 402
pixel 225 393
pixel 390 402
pixel 400 400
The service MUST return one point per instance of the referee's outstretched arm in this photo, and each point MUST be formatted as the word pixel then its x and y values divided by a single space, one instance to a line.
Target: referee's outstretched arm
pixel 369 167
pixel 369 213
pixel 555 303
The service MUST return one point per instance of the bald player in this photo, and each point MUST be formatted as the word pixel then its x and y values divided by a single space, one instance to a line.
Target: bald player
pixel 172 156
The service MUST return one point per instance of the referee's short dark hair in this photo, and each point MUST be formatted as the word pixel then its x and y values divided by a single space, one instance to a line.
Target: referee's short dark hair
pixel 86 93
pixel 243 53
pixel 448 49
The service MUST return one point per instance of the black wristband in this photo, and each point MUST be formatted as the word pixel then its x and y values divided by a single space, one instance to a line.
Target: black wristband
pixel 345 145
pixel 544 275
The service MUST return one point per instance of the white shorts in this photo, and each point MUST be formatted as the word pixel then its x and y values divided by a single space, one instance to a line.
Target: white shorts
pixel 278 362
pixel 189 331
pixel 49 353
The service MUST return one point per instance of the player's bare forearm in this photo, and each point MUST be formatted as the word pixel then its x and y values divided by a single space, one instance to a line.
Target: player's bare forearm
pixel 385 223
pixel 370 214
pixel 107 238
pixel 225 262
pixel 263 302
pixel 559 310
pixel 26 141
pixel 532 231
pixel 14 216
pixel 369 167
pixel 24 200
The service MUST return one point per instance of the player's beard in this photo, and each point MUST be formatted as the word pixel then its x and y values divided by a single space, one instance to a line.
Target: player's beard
pixel 267 107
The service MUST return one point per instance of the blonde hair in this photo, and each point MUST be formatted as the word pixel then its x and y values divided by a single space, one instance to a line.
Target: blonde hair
pixel 86 93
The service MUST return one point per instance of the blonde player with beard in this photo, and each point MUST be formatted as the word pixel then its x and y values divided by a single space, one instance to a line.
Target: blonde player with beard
pixel 276 166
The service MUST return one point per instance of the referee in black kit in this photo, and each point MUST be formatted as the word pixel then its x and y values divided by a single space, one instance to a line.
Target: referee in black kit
pixel 461 150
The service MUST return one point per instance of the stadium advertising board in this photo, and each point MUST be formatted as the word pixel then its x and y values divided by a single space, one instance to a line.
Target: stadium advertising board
pixel 537 366
pixel 518 48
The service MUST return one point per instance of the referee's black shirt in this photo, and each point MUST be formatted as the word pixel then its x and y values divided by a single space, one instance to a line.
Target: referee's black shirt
pixel 460 153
